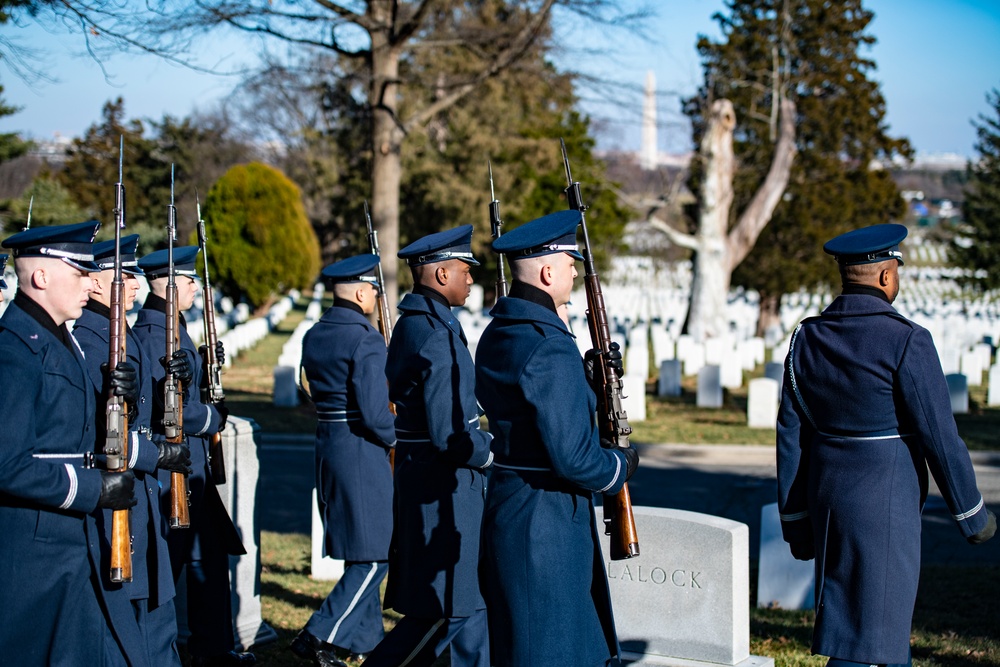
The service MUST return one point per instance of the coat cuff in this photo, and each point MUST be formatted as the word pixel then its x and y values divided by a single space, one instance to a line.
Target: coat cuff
pixel 973 520
pixel 84 488
pixel 796 527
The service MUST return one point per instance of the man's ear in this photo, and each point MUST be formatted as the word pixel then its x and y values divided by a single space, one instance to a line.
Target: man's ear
pixel 884 277
pixel 40 278
pixel 546 274
pixel 441 275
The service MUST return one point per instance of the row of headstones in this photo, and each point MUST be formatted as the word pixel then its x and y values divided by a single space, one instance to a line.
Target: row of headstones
pixel 250 332
pixel 286 372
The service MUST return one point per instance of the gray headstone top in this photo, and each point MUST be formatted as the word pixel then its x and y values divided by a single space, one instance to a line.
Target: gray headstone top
pixel 686 596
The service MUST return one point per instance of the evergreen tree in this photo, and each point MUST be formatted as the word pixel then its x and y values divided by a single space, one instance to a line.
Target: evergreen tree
pixel 812 51
pixel 50 203
pixel 262 243
pixel 11 144
pixel 976 247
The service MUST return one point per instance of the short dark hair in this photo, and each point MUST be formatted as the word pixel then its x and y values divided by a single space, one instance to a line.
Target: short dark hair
pixel 863 273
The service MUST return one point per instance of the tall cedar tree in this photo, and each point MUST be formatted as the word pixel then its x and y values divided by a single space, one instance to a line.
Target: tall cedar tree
pixel 841 134
pixel 976 247
pixel 199 148
pixel 262 243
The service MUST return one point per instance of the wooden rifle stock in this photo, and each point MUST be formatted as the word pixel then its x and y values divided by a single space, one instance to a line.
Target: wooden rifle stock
pixel 116 440
pixel 173 392
pixel 213 393
pixel 612 422
pixel 116 432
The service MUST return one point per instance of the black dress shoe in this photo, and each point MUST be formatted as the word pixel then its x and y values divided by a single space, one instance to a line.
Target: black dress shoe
pixel 328 658
pixel 230 659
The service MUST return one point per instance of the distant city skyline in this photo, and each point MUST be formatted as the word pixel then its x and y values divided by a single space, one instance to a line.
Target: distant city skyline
pixel 936 62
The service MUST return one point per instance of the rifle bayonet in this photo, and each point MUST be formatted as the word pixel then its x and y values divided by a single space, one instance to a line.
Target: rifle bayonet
pixel 495 224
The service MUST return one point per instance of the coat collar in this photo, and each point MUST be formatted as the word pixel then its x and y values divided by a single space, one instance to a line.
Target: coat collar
pixel 512 308
pixel 847 305
pixel 416 304
pixel 338 315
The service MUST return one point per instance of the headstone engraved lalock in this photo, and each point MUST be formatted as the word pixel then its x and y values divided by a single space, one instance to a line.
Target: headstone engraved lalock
pixel 685 600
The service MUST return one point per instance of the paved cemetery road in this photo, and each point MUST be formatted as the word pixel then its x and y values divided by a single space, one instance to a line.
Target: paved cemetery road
pixel 731 481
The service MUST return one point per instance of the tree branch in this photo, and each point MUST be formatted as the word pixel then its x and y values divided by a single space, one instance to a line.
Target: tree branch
pixel 676 237
pixel 742 237
pixel 524 38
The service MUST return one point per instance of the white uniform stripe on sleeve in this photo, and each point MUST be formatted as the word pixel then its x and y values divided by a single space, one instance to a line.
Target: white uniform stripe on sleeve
pixel 618 471
pixel 74 484
pixel 208 421
pixel 794 517
pixel 972 512
pixel 133 452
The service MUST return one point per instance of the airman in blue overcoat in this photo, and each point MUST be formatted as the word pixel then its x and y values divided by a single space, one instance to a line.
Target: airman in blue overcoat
pixel 441 455
pixel 549 462
pixel 152 587
pixel 865 411
pixel 343 356
pixel 205 547
pixel 54 609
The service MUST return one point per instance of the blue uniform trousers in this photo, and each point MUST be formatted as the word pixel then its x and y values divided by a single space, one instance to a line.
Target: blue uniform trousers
pixel 209 603
pixel 837 662
pixel 352 613
pixel 417 642
pixel 158 632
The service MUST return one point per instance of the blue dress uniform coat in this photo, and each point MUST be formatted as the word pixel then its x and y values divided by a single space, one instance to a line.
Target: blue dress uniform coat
pixel 531 383
pixel 152 579
pixel 440 454
pixel 54 610
pixel 864 411
pixel 212 535
pixel 344 359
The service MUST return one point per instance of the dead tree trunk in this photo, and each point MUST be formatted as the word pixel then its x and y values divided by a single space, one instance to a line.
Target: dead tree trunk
pixel 718 253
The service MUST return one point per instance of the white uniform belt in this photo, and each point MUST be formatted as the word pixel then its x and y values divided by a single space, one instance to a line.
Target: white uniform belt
pixel 331 416
pixel 506 466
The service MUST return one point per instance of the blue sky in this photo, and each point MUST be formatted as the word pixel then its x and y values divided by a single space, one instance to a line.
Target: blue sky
pixel 937 59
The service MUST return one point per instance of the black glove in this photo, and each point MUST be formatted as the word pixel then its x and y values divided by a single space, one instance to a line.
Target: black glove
pixel 179 366
pixel 123 381
pixel 174 456
pixel 220 352
pixel 223 414
pixel 613 360
pixel 987 532
pixel 802 550
pixel 117 490
pixel 631 461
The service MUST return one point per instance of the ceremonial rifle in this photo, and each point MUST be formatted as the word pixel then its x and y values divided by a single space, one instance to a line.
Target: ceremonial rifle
pixel 619 521
pixel 116 432
pixel 495 224
pixel 384 319
pixel 173 392
pixel 212 392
